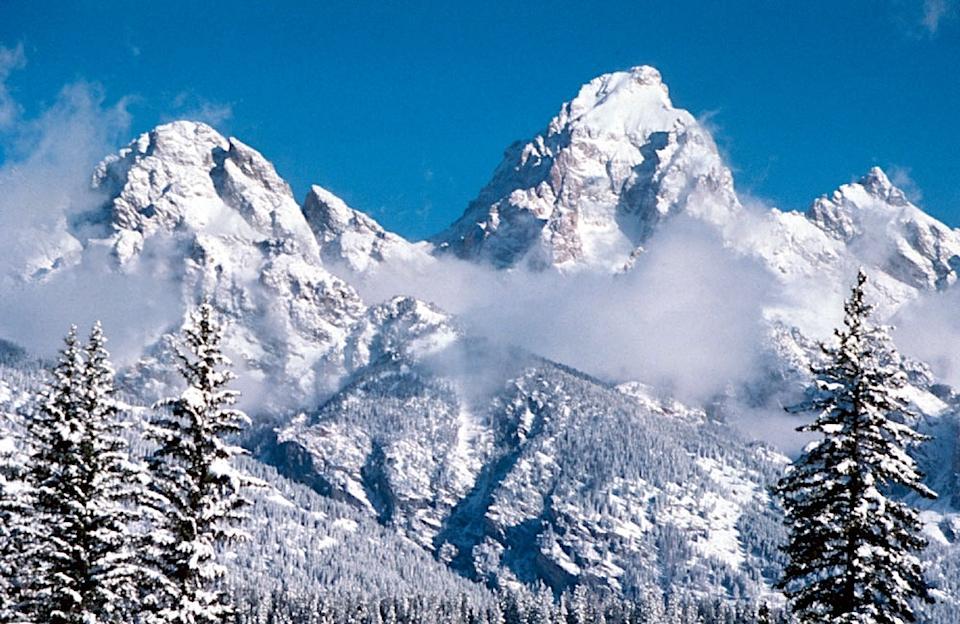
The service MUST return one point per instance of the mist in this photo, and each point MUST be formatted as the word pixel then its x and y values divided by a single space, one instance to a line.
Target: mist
pixel 45 181
pixel 928 329
pixel 688 318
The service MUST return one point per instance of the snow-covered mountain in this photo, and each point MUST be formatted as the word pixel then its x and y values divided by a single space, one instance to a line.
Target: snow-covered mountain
pixel 593 186
pixel 619 160
pixel 497 463
pixel 880 226
pixel 211 216
pixel 516 469
pixel 620 163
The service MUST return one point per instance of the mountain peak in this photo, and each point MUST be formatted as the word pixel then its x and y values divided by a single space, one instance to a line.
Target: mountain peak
pixel 214 212
pixel 841 212
pixel 185 142
pixel 647 74
pixel 330 215
pixel 876 176
pixel 185 173
pixel 875 220
pixel 628 82
pixel 634 101
pixel 186 128
pixel 877 184
pixel 349 238
pixel 615 162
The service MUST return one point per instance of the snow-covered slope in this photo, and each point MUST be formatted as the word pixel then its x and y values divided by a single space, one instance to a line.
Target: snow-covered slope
pixel 587 191
pixel 305 546
pixel 512 468
pixel 351 240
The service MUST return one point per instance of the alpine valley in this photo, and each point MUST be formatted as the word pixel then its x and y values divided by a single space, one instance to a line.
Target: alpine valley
pixel 466 414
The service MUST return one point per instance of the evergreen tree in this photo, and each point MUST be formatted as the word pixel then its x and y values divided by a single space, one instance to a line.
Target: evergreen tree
pixel 14 511
pixel 82 561
pixel 119 485
pixel 852 548
pixel 198 494
pixel 763 614
pixel 651 606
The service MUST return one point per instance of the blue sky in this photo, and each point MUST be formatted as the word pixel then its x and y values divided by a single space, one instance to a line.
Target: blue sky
pixel 404 109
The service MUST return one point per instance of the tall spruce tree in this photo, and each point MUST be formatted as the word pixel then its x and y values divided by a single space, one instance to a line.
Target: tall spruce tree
pixel 83 566
pixel 852 546
pixel 199 493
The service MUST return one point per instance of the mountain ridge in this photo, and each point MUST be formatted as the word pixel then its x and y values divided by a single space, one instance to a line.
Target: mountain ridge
pixel 504 466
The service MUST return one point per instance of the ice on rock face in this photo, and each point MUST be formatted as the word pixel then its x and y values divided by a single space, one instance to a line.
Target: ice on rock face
pixel 616 161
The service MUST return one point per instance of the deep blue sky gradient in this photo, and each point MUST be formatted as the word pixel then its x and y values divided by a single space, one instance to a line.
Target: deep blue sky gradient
pixel 404 109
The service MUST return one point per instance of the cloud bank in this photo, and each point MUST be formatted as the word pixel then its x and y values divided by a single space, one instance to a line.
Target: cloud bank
pixel 688 318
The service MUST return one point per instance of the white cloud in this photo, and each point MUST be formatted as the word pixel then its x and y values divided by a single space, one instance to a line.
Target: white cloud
pixel 934 13
pixel 688 318
pixel 11 59
pixel 929 330
pixel 188 105
pixel 901 178
pixel 46 174
pixel 45 179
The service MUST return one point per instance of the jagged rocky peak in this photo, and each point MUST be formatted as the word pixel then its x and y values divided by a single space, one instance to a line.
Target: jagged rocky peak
pixel 880 225
pixel 878 184
pixel 186 174
pixel 841 213
pixel 350 238
pixel 328 215
pixel 615 162
pixel 214 214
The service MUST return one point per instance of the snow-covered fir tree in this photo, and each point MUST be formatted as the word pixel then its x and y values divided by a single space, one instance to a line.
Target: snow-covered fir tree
pixel 82 560
pixel 14 510
pixel 852 546
pixel 199 493
pixel 120 483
